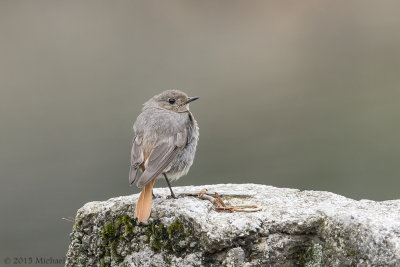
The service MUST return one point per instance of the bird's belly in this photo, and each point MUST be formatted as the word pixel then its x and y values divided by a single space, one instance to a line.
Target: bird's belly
pixel 181 164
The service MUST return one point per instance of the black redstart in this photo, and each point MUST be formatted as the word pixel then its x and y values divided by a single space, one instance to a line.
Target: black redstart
pixel 165 141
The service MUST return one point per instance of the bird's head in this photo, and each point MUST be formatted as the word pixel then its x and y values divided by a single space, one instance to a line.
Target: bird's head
pixel 174 100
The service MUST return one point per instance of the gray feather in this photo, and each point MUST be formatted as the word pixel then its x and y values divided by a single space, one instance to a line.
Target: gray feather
pixel 136 158
pixel 161 156
pixel 152 172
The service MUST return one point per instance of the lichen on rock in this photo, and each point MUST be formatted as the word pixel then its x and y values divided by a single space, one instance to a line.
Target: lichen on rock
pixel 294 228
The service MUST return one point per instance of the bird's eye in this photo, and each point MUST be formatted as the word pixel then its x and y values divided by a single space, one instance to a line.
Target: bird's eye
pixel 171 100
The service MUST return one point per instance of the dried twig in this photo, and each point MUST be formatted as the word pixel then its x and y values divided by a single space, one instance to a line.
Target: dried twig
pixel 219 204
pixel 69 219
pixel 240 208
pixel 212 193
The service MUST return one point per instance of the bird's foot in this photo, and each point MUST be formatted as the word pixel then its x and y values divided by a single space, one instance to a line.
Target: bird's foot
pixel 174 196
pixel 156 196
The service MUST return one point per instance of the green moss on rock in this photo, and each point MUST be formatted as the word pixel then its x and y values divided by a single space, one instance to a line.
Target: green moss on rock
pixel 160 237
pixel 188 233
pixel 120 231
pixel 113 247
pixel 108 231
pixel 117 232
pixel 166 238
pixel 175 228
pixel 128 223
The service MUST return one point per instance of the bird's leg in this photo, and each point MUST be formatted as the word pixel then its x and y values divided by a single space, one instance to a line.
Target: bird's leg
pixel 166 179
pixel 155 196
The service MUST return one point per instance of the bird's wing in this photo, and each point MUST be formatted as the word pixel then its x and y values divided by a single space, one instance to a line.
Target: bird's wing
pixel 137 158
pixel 161 156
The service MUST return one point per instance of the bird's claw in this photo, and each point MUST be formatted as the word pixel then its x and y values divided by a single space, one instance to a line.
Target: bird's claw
pixel 156 196
pixel 172 196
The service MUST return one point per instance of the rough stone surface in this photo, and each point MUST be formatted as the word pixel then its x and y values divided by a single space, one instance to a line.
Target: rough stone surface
pixel 294 228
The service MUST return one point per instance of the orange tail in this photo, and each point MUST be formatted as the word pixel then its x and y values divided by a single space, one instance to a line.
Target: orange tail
pixel 143 206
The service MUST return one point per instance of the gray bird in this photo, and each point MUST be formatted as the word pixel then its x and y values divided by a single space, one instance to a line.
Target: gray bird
pixel 165 141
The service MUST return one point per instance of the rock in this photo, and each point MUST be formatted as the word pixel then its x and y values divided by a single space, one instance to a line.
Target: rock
pixel 294 228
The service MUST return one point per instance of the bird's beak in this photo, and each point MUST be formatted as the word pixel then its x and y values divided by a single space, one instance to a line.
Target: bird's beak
pixel 190 99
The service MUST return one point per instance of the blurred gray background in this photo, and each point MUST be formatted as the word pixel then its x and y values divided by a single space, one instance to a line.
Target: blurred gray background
pixel 301 94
